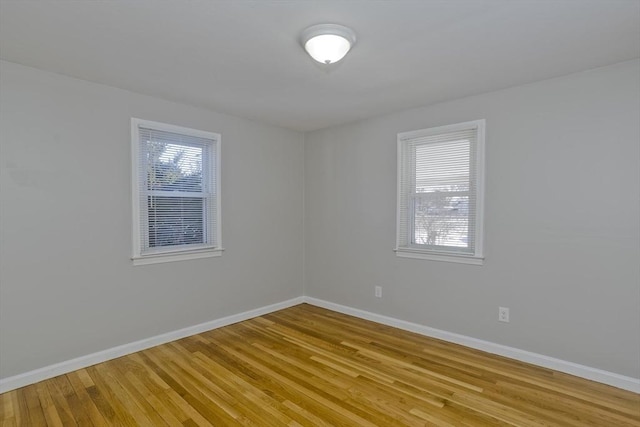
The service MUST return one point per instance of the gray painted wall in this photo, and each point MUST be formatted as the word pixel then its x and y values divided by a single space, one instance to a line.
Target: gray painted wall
pixel 562 240
pixel 67 285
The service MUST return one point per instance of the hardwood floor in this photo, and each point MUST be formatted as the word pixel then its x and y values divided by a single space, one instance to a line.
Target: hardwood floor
pixel 306 366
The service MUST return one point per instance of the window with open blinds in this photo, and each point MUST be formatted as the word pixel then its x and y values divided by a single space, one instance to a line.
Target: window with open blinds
pixel 176 192
pixel 440 193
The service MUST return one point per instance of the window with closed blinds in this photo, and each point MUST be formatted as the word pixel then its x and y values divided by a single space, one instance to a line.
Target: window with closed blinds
pixel 440 188
pixel 176 192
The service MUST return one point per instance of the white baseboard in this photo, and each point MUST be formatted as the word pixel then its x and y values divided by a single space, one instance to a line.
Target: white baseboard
pixel 31 377
pixel 594 374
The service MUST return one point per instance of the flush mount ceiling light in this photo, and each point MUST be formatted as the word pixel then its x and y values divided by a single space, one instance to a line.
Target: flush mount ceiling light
pixel 328 43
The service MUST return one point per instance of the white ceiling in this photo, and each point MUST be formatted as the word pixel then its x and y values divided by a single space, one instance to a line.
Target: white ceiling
pixel 244 57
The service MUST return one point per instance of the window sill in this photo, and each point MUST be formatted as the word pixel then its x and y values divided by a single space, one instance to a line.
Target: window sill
pixel 176 256
pixel 419 254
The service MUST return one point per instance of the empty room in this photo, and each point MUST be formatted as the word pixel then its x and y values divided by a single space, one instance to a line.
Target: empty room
pixel 320 213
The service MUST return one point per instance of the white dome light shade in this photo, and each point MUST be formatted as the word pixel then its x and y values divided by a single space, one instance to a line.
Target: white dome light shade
pixel 327 48
pixel 328 43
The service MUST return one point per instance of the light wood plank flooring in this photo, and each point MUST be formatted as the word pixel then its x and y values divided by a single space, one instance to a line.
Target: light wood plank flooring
pixel 306 366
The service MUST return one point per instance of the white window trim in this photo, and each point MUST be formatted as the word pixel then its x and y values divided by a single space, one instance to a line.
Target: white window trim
pixel 418 253
pixel 171 254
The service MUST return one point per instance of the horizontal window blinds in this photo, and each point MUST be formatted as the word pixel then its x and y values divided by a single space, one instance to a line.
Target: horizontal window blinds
pixel 177 187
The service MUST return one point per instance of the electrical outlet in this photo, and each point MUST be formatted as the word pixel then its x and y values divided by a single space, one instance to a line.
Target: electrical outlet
pixel 378 291
pixel 503 314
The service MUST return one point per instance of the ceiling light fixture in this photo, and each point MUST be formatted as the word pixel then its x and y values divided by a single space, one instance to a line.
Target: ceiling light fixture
pixel 328 43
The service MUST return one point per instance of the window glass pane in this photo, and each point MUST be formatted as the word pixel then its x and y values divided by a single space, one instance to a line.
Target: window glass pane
pixel 175 221
pixel 173 167
pixel 442 220
pixel 441 214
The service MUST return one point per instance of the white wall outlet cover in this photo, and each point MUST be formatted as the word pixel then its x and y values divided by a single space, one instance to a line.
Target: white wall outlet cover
pixel 503 314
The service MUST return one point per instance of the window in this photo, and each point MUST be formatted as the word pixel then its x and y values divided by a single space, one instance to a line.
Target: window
pixel 440 193
pixel 176 193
